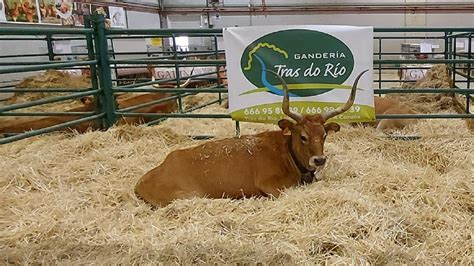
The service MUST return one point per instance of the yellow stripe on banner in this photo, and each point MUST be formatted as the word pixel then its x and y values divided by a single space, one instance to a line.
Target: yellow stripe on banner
pixel 322 86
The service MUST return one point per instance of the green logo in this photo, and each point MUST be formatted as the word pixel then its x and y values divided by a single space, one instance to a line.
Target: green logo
pixel 311 62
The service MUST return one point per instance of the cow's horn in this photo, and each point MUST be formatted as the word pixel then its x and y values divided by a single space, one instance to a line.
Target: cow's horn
pixel 156 85
pixel 286 99
pixel 186 83
pixel 349 102
pixel 182 85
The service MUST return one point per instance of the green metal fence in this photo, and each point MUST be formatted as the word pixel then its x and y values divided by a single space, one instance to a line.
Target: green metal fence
pixel 103 62
pixel 37 34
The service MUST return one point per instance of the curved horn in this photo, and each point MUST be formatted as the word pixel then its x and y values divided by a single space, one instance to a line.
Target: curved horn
pixel 349 102
pixel 186 83
pixel 158 86
pixel 286 99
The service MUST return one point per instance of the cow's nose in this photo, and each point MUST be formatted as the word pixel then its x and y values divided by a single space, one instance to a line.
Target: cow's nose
pixel 318 160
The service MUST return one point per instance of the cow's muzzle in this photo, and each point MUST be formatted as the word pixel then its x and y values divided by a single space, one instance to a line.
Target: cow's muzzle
pixel 317 161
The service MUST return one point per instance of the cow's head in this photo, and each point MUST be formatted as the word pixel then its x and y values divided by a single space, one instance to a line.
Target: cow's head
pixel 309 132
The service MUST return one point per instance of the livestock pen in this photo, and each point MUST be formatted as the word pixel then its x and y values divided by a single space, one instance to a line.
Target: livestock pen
pixel 68 197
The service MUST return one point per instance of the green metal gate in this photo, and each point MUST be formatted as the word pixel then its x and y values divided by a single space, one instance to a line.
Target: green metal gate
pixel 103 62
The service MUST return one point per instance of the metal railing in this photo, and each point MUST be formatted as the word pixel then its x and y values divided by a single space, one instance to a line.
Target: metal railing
pixel 103 62
pixel 47 35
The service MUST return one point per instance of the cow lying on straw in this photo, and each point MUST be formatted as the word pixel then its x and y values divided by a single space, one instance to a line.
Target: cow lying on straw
pixel 23 125
pixel 246 166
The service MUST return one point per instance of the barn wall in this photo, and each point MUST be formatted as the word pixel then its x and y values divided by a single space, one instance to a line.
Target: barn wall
pixel 196 3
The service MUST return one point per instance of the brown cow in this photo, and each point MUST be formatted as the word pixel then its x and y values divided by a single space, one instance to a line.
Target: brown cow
pixel 391 106
pixel 26 124
pixel 256 165
pixel 33 124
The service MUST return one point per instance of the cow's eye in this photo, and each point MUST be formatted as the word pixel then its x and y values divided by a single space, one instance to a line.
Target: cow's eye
pixel 304 139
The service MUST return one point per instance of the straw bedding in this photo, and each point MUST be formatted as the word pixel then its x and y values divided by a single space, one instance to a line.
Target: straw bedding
pixel 69 198
pixel 49 80
pixel 436 77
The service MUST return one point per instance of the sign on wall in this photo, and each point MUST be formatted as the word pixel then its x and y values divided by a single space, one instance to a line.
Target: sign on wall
pixel 184 72
pixel 319 64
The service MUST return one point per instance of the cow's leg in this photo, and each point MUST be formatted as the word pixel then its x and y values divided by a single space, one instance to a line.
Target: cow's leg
pixel 269 191
pixel 159 191
pixel 273 186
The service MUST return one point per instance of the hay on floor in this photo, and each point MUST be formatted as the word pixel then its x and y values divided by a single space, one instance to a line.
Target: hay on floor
pixel 69 198
pixel 436 77
pixel 51 79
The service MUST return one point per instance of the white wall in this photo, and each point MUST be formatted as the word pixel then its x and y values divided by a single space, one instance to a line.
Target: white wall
pixel 140 20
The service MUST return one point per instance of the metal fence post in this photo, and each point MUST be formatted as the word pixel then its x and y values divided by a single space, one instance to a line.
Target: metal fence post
pixel 178 76
pixel 107 99
pixel 91 54
pixel 469 67
pixel 49 43
pixel 216 54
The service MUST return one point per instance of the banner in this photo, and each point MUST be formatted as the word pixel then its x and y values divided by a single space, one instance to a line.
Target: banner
pixel 319 64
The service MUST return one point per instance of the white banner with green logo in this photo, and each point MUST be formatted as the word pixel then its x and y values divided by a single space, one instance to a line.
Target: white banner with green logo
pixel 319 64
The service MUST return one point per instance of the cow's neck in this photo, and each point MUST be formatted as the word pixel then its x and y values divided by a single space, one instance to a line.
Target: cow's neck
pixel 306 176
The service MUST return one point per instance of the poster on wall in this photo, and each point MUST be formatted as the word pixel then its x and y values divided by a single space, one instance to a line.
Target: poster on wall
pixel 3 17
pixel 56 11
pixel 100 10
pixel 319 64
pixel 80 11
pixel 21 11
pixel 117 15
pixel 64 11
pixel 48 12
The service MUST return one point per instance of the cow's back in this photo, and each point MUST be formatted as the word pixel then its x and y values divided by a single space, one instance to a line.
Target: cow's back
pixel 26 124
pixel 164 107
pixel 387 106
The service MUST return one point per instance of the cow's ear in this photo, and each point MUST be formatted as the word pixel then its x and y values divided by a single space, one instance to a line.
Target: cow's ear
pixel 332 128
pixel 286 126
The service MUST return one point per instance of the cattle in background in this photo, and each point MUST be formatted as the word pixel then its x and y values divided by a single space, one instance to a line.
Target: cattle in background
pixel 255 165
pixel 384 106
pixel 26 124
pixel 460 108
